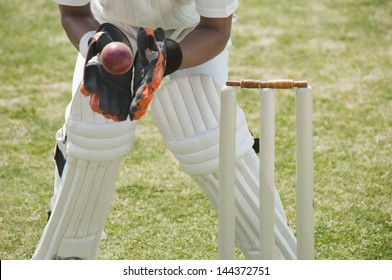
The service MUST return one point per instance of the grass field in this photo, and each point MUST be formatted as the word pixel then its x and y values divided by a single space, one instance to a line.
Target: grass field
pixel 342 47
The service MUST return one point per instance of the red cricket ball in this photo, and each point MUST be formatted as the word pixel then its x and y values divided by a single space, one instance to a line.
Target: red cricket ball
pixel 116 58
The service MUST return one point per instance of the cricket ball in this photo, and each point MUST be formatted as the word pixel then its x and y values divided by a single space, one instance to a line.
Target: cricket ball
pixel 116 58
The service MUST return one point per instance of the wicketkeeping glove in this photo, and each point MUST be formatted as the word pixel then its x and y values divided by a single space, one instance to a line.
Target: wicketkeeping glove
pixel 155 58
pixel 110 95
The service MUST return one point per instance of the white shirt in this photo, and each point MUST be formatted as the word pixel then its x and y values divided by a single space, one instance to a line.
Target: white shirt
pixel 168 14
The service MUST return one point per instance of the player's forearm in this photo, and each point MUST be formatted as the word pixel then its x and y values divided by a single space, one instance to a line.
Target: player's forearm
pixel 76 22
pixel 205 42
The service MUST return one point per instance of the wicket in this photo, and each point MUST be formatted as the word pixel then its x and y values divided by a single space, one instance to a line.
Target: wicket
pixel 304 167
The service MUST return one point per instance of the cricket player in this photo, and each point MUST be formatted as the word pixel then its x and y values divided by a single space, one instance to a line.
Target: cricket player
pixel 186 40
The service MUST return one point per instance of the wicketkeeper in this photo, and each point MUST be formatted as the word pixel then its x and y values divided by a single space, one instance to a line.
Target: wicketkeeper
pixel 188 40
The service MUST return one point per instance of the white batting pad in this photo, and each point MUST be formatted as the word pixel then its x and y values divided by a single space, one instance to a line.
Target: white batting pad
pixel 79 214
pixel 94 152
pixel 187 111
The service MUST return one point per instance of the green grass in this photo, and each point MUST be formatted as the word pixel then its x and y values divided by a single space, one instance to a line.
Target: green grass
pixel 343 48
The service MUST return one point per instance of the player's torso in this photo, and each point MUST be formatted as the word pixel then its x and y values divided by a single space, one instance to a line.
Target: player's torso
pixel 169 14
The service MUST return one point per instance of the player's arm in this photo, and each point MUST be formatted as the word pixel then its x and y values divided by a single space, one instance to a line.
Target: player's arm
pixel 206 41
pixel 77 21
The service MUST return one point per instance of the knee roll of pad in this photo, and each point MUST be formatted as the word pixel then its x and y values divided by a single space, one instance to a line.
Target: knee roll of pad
pixel 186 111
pixel 99 141
pixel 200 155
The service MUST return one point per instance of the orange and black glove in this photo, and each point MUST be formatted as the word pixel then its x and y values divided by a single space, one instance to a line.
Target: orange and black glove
pixel 110 95
pixel 155 58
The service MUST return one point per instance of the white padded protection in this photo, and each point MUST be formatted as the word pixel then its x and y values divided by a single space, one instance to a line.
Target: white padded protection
pixel 79 214
pixel 186 111
pixel 85 189
pixel 199 155
pixel 99 142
